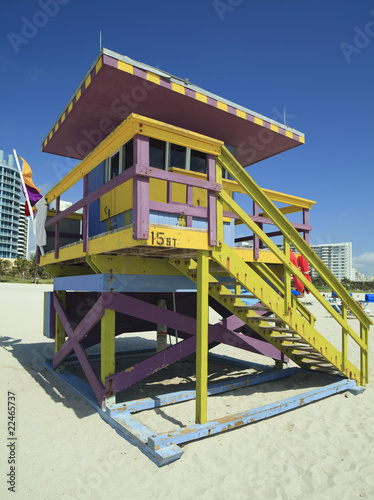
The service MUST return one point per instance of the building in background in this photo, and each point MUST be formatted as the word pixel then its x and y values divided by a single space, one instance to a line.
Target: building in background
pixel 337 257
pixel 23 232
pixel 10 198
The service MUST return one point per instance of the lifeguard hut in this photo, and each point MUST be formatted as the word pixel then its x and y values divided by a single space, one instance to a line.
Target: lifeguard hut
pixel 151 243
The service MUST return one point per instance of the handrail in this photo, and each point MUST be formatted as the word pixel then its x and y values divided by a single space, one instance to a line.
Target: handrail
pixel 295 271
pixel 227 161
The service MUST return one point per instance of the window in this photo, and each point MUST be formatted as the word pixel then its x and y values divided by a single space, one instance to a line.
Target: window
pixel 198 161
pixel 128 154
pixel 114 164
pixel 177 156
pixel 157 153
pixel 119 161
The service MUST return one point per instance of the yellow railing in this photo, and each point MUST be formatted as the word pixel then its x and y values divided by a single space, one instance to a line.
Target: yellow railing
pixel 291 236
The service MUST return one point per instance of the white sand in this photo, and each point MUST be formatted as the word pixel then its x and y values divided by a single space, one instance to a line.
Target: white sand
pixel 66 451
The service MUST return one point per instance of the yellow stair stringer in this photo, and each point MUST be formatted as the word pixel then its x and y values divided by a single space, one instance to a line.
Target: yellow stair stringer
pixel 254 284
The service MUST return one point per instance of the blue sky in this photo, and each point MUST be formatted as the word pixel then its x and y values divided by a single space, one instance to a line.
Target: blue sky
pixel 313 59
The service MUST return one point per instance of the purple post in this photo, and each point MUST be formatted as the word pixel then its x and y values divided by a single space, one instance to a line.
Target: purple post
pixel 141 190
pixel 189 201
pixel 85 216
pixel 306 222
pixel 169 195
pixel 57 229
pixel 90 373
pixel 212 205
pixel 37 254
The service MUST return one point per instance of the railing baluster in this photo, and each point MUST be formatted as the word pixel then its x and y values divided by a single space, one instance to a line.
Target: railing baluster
pixel 57 229
pixel 306 223
pixel 344 339
pixel 85 216
pixel 364 356
pixel 287 278
pixel 256 239
pixel 219 209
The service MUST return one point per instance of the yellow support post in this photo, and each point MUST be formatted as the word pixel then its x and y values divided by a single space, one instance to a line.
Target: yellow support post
pixel 344 339
pixel 287 278
pixel 60 332
pixel 202 321
pixel 108 322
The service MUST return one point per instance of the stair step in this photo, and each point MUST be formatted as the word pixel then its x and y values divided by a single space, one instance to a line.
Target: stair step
pixel 331 370
pixel 305 348
pixel 309 355
pixel 264 318
pixel 280 329
pixel 237 296
pixel 288 338
pixel 324 364
pixel 223 283
pixel 217 270
pixel 251 308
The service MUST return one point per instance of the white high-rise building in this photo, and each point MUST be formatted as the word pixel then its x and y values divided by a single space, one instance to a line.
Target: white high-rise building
pixel 23 233
pixel 337 257
pixel 10 198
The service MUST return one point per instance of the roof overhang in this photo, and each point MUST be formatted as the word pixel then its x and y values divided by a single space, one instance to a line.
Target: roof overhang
pixel 116 86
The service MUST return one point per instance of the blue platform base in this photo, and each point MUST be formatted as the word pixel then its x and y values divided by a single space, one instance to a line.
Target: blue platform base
pixel 165 448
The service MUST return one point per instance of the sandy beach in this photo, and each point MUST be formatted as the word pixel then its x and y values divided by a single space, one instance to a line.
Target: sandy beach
pixel 64 449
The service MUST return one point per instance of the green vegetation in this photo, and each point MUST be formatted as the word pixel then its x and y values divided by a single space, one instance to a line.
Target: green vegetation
pixel 23 271
pixel 350 286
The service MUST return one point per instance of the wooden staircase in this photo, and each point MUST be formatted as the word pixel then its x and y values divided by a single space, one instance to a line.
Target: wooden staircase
pixel 292 332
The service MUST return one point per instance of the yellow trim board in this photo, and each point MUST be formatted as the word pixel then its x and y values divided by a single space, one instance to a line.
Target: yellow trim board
pixel 134 124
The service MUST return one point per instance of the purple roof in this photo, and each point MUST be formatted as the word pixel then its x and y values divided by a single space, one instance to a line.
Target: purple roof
pixel 116 86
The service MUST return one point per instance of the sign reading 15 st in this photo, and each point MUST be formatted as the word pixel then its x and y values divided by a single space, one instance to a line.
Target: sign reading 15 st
pixel 159 239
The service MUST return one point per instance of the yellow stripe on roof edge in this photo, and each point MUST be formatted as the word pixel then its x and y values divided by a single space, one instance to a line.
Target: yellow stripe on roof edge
pixel 88 81
pixel 128 68
pixel 274 128
pixel 99 65
pixel 201 97
pixel 222 105
pixel 152 77
pixel 178 88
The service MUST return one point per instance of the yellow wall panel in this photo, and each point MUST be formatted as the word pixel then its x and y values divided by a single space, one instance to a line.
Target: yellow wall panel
pixel 157 190
pixel 116 201
pixel 179 193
